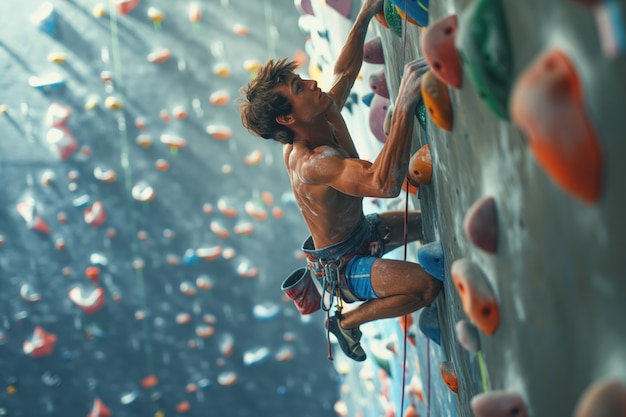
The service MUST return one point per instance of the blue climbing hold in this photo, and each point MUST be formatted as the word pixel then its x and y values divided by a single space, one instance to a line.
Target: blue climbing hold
pixel 416 9
pixel 367 99
pixel 45 18
pixel 428 323
pixel 430 257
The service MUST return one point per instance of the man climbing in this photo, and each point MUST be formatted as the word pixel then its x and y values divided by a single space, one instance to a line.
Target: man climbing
pixel 329 182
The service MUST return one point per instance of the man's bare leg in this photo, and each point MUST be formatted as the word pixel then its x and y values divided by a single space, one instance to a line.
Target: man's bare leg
pixel 394 220
pixel 403 287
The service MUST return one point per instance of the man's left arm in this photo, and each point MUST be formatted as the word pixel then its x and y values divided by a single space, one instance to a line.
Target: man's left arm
pixel 350 59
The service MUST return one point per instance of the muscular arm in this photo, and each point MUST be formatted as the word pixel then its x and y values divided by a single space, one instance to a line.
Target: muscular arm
pixel 350 59
pixel 384 177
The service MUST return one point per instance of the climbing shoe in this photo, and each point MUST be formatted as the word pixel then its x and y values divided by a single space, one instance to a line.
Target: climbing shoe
pixel 349 339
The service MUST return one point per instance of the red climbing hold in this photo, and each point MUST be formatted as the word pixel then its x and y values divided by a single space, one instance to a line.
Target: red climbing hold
pixel 438 46
pixel 481 224
pixel 421 166
pixel 437 100
pixel 603 399
pixel 479 302
pixel 378 83
pixel 99 409
pixel 125 6
pixel 61 141
pixel 27 210
pixel 57 115
pixel 373 51
pixel 40 344
pixel 498 404
pixel 95 215
pixel 88 301
pixel 448 374
pixel 548 105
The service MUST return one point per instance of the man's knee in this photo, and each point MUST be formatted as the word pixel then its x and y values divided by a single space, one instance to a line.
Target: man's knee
pixel 432 290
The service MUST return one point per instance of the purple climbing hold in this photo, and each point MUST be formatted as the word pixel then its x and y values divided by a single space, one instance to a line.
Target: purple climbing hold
pixel 304 7
pixel 378 111
pixel 378 83
pixel 481 224
pixel 373 51
pixel 344 7
pixel 498 404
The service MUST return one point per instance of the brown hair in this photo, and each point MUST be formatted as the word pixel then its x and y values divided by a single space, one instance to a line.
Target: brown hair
pixel 262 103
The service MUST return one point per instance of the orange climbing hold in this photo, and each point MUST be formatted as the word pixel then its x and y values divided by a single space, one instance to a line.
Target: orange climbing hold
pixel 217 228
pixel 548 105
pixel 95 215
pixel 438 46
pixel 99 409
pixel 219 98
pixel 448 374
pixel 125 6
pixel 254 158
pixel 437 100
pixel 183 407
pixel 224 206
pixel 40 344
pixel 209 254
pixel 173 142
pixel 411 411
pixel 479 302
pixel 219 132
pixel 149 382
pixel 195 13
pixel 160 56
pixel 421 166
pixel 603 399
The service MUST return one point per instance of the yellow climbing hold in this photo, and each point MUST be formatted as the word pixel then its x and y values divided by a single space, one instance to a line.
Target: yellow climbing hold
pixel 56 57
pixel 91 103
pixel 113 103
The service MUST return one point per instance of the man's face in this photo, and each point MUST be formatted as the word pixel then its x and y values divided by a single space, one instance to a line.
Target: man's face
pixel 307 100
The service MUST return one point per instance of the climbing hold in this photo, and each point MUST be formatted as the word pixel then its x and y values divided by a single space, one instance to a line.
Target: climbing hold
pixel 47 82
pixel 448 374
pixel 378 83
pixel 40 344
pixel 173 142
pixel 255 211
pixel 404 16
pixel 416 9
pixel 421 114
pixel 421 166
pixel 159 56
pixel 439 49
pixel 243 228
pixel 204 282
pixel 245 270
pixel 610 25
pixel 380 18
pixel 373 51
pixel 603 399
pixel 481 224
pixel 428 323
pixel 113 103
pixel 156 15
pixel 378 111
pixel 143 192
pixel 91 102
pixel 498 404
pixel 227 378
pixel 179 112
pixel 436 98
pixel 27 210
pixel 219 98
pixel 89 301
pixel 549 106
pixel 484 45
pixel 410 411
pixel 430 257
pixel 304 7
pixel 221 69
pixel 57 115
pixel 125 6
pixel 226 208
pixel 95 215
pixel 241 30
pixel 227 344
pixel 99 10
pixel 45 18
pixel 344 7
pixel 28 294
pixel 104 175
pixel 210 253
pixel 251 65
pixel 479 302
pixel 406 323
pixel 253 158
pixel 367 99
pixel 98 409
pixel 217 228
pixel 393 19
pixel 183 407
pixel 57 57
pixel 149 381
pixel 219 132
pixel 467 335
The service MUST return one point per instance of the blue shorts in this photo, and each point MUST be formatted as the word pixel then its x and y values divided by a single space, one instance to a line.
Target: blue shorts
pixel 358 276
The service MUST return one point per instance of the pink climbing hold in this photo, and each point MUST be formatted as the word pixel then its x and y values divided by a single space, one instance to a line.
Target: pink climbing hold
pixel 344 7
pixel 548 105
pixel 304 7
pixel 378 112
pixel 88 301
pixel 378 83
pixel 481 224
pixel 95 215
pixel 40 344
pixel 438 46
pixel 373 51
pixel 498 404
pixel 603 399
pixel 125 6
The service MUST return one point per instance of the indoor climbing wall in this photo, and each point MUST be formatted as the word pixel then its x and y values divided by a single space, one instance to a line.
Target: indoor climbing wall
pixel 521 185
pixel 143 232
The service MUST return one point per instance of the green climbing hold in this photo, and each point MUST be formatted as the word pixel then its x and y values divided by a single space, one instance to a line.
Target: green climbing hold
pixel 484 45
pixel 421 113
pixel 393 18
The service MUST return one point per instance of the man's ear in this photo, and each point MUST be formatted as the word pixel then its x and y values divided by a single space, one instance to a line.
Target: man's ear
pixel 285 119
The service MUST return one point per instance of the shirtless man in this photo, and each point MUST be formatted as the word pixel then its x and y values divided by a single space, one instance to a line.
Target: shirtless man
pixel 329 182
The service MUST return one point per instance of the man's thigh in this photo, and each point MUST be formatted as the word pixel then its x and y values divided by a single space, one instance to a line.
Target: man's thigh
pixel 390 277
pixel 394 221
